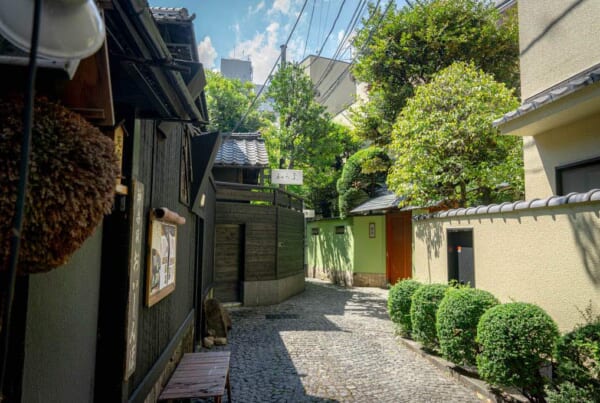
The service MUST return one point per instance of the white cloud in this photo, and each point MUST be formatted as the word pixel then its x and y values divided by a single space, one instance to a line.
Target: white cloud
pixel 262 49
pixel 254 10
pixel 340 35
pixel 207 53
pixel 283 6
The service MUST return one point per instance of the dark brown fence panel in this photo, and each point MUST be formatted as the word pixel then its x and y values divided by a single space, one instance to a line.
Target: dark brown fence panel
pixel 260 249
pixel 259 221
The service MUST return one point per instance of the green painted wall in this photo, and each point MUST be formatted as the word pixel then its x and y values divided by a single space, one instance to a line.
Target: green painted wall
pixel 354 251
pixel 329 250
pixel 369 253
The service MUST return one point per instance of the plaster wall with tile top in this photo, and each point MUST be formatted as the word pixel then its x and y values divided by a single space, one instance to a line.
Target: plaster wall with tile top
pixel 546 256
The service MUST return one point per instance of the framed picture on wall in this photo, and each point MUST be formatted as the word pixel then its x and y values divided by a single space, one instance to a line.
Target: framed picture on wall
pixel 162 260
pixel 371 230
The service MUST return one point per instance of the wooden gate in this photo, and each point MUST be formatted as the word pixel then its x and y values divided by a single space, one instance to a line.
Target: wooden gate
pixel 229 259
pixel 398 246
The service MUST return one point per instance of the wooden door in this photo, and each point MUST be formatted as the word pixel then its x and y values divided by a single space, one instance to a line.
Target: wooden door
pixel 399 246
pixel 229 252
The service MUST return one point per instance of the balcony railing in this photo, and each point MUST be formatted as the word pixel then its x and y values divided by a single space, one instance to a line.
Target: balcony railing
pixel 235 192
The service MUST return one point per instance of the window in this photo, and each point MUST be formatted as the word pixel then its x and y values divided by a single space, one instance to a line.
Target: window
pixel 578 177
pixel 340 229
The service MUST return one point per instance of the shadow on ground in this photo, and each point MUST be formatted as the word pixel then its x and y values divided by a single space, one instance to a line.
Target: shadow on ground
pixel 262 366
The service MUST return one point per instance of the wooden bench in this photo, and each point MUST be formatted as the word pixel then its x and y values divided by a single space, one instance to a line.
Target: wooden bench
pixel 199 375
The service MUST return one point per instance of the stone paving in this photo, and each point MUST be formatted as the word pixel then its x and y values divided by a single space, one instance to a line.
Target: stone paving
pixel 330 344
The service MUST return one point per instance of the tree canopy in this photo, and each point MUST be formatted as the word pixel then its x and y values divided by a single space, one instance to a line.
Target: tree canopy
pixel 363 174
pixel 445 147
pixel 227 101
pixel 407 47
pixel 305 138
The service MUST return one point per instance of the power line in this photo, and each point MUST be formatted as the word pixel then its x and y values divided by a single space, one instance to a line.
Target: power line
pixel 338 80
pixel 271 72
pixel 328 35
pixel 349 29
pixel 309 27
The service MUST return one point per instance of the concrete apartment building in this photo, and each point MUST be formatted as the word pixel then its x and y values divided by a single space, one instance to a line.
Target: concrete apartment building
pixel 335 87
pixel 237 68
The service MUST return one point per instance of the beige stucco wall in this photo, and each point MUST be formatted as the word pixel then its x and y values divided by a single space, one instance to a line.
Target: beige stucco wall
pixel 557 41
pixel 344 93
pixel 550 256
pixel 562 145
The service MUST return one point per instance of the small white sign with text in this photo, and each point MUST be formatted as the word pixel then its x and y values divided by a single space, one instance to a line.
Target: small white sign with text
pixel 286 177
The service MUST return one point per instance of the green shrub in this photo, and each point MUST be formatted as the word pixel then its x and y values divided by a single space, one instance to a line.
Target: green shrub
pixel 425 302
pixel 566 392
pixel 399 301
pixel 516 339
pixel 456 324
pixel 363 173
pixel 578 360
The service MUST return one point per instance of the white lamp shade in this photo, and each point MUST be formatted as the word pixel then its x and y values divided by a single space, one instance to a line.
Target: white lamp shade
pixel 69 29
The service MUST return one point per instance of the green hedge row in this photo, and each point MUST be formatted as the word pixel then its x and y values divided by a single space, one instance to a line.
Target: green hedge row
pixel 509 343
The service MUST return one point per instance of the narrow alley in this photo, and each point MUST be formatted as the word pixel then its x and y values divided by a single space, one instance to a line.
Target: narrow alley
pixel 330 344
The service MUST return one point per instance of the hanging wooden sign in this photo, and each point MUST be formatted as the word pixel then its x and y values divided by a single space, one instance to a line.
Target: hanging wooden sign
pixel 135 264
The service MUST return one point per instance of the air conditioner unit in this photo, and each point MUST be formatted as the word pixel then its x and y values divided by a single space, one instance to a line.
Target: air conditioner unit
pixel 12 55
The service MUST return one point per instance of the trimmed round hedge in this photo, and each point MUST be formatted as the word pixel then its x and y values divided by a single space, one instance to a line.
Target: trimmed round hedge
pixel 578 360
pixel 425 302
pixel 516 339
pixel 398 303
pixel 73 171
pixel 456 324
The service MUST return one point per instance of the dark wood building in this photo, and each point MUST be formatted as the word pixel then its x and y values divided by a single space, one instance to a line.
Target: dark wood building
pixel 259 245
pixel 103 327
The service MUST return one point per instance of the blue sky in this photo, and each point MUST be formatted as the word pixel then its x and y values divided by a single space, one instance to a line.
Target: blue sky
pixel 255 29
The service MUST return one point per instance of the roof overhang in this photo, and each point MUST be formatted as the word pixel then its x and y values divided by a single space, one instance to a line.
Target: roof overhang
pixel 141 53
pixel 576 99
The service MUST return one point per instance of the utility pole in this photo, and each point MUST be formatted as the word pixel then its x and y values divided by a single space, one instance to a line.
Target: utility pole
pixel 283 50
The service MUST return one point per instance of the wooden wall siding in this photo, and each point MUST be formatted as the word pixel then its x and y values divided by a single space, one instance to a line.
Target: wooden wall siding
pixel 290 254
pixel 260 236
pixel 261 242
pixel 229 261
pixel 158 169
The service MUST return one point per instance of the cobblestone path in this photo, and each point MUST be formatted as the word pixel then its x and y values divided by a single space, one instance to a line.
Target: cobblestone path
pixel 330 344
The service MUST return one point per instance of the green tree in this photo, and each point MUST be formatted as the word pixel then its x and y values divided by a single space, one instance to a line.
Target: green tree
pixel 407 47
pixel 363 174
pixel 305 138
pixel 446 148
pixel 227 101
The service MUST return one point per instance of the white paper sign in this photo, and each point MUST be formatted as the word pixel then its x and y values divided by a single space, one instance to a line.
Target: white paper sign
pixel 286 177
pixel 309 213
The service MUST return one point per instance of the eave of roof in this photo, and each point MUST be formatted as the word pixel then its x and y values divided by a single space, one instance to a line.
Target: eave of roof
pixel 569 101
pixel 552 201
pixel 143 31
pixel 175 14
pixel 378 204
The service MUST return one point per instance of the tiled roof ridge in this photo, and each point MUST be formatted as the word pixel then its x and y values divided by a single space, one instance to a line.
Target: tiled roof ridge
pixel 552 201
pixel 242 150
pixel 248 136
pixel 575 83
